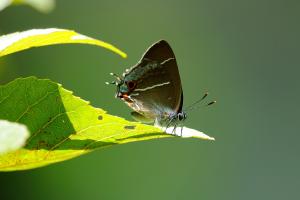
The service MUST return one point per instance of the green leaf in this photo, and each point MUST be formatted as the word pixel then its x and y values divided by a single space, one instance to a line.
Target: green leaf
pixel 4 4
pixel 12 136
pixel 45 6
pixel 62 126
pixel 19 41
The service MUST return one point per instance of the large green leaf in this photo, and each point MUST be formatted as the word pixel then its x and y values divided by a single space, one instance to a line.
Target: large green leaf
pixel 19 41
pixel 63 126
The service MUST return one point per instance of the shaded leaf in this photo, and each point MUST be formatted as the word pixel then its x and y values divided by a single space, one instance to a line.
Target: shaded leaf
pixel 12 136
pixel 19 41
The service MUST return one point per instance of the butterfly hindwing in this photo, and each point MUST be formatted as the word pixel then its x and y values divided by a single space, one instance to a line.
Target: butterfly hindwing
pixel 141 118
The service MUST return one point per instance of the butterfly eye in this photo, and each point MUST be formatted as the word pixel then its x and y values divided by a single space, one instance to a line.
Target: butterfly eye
pixel 131 85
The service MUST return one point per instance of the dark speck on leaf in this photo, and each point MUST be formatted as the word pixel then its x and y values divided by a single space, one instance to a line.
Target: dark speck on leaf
pixel 42 142
pixel 129 127
pixel 100 117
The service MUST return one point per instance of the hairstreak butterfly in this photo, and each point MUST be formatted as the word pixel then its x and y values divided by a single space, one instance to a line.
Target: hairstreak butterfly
pixel 152 88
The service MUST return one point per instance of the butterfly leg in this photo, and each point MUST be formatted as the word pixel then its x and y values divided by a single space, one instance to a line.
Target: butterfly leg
pixel 174 130
pixel 181 131
pixel 168 125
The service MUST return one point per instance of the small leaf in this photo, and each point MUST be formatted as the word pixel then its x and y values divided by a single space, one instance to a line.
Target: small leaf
pixel 45 6
pixel 4 4
pixel 12 136
pixel 40 5
pixel 19 41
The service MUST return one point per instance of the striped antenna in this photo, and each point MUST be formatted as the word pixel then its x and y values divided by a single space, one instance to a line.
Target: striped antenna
pixel 195 104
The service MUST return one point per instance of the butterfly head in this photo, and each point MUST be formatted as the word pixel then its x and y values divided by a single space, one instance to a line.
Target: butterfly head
pixel 125 87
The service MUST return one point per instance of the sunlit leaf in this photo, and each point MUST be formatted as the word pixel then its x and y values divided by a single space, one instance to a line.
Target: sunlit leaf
pixel 12 136
pixel 19 41
pixel 62 125
pixel 186 132
pixel 40 5
pixel 4 4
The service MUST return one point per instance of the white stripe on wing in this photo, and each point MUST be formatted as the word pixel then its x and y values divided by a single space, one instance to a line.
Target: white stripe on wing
pixel 151 87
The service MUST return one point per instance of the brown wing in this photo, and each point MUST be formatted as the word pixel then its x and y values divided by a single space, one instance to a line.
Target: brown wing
pixel 159 51
pixel 158 90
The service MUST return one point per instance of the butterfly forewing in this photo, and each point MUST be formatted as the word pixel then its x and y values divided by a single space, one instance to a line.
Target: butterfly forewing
pixel 158 92
pixel 159 51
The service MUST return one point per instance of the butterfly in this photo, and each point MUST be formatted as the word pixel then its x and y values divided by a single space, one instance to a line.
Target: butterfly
pixel 152 87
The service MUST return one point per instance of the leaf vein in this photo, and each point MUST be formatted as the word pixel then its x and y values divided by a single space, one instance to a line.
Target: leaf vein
pixel 77 133
pixel 8 95
pixel 34 104
pixel 47 124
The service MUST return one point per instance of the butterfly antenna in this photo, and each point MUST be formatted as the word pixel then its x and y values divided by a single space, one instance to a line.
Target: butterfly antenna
pixel 194 105
pixel 119 79
pixel 116 75
pixel 198 101
pixel 211 103
pixel 111 83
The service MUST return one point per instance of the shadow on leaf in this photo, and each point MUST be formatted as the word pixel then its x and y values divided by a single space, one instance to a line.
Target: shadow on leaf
pixel 62 126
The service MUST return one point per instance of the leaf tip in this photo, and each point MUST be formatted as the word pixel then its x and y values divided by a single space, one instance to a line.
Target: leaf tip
pixel 185 132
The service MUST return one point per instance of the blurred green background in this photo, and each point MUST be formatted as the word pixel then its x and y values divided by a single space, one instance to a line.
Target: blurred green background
pixel 246 53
